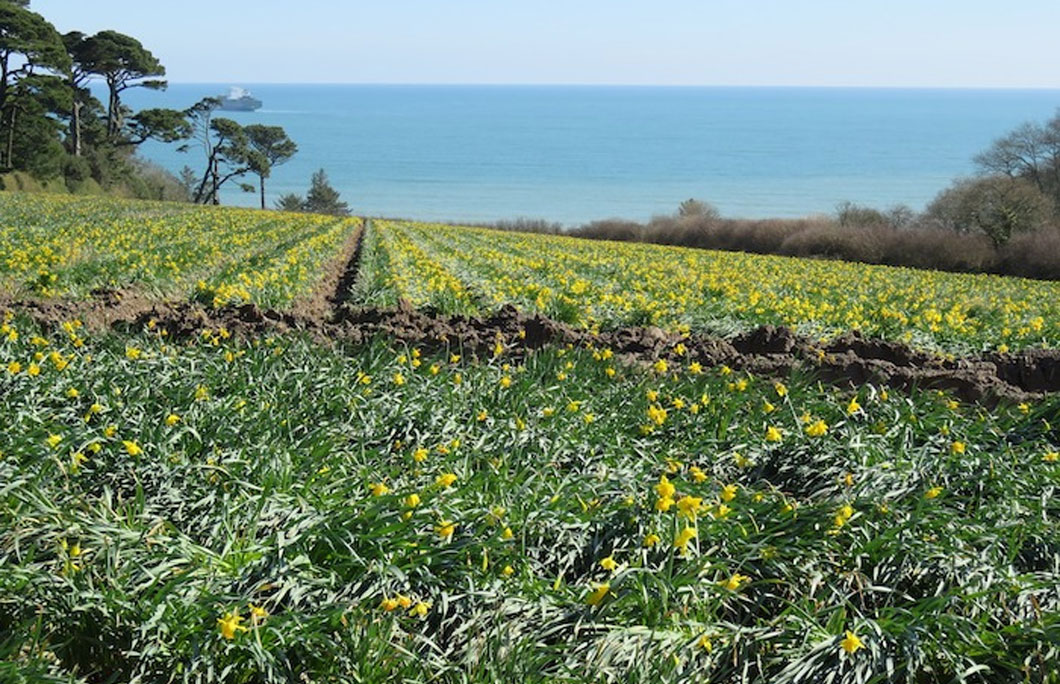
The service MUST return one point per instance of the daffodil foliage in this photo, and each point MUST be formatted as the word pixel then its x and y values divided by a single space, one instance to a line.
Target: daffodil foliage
pixel 54 245
pixel 595 283
pixel 274 510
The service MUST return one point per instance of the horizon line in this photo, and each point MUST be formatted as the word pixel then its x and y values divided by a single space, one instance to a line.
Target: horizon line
pixel 616 85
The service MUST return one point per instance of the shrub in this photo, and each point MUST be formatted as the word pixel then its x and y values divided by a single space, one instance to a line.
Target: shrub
pixel 851 215
pixel 825 240
pixel 696 208
pixel 148 180
pixel 1033 255
pixel 996 206
pixel 528 225
pixel 290 202
pixel 612 229
pixel 321 198
pixel 930 247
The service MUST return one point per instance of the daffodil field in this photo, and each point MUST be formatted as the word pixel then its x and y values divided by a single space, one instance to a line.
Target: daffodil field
pixel 63 246
pixel 55 246
pixel 267 507
pixel 273 510
pixel 607 284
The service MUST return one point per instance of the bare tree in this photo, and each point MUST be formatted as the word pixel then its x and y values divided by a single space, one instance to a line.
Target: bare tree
pixel 1030 152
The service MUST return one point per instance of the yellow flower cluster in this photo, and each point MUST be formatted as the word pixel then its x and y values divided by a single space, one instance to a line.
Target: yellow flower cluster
pixel 53 245
pixel 593 282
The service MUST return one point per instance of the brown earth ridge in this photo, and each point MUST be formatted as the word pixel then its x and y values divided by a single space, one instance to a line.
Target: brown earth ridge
pixel 850 359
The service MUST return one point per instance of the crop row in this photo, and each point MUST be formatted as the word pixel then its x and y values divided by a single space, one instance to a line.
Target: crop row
pixel 56 246
pixel 595 283
pixel 64 246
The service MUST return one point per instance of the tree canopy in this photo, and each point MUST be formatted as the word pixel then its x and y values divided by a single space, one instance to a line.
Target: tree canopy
pixel 50 122
pixel 321 198
pixel 30 48
pixel 324 199
pixel 270 147
pixel 123 63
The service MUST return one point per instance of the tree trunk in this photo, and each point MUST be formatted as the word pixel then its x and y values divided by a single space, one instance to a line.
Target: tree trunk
pixel 75 126
pixel 116 106
pixel 216 185
pixel 3 80
pixel 113 109
pixel 11 139
pixel 200 195
pixel 261 182
pixel 4 163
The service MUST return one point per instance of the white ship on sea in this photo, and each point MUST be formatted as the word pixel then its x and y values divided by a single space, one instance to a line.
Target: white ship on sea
pixel 239 100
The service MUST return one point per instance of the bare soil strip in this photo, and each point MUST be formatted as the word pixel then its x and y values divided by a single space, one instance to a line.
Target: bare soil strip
pixel 335 282
pixel 851 359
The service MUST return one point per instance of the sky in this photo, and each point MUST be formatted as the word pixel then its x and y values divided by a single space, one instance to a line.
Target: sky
pixel 894 43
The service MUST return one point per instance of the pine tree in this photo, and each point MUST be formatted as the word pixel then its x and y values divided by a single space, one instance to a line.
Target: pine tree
pixel 290 202
pixel 324 199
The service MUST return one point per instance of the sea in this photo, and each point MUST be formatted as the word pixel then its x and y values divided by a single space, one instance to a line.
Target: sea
pixel 572 154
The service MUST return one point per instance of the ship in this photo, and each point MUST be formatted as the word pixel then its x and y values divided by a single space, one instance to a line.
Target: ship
pixel 239 100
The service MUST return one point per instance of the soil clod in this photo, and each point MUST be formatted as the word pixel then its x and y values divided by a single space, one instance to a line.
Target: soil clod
pixel 851 359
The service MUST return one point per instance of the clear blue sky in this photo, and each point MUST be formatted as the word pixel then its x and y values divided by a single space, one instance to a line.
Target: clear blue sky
pixel 949 43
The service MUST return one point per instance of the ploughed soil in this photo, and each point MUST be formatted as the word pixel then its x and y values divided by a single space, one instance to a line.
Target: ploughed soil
pixel 337 278
pixel 771 351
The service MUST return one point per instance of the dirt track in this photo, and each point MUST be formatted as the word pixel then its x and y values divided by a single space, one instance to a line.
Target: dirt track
pixel 767 350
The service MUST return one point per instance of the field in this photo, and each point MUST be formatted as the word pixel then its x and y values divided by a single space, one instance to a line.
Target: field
pixel 55 246
pixel 224 497
pixel 609 284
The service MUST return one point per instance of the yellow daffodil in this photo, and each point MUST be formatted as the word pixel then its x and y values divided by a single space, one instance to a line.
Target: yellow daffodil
pixel 683 538
pixel 230 624
pixel 689 506
pixel 734 582
pixel 817 428
pixel 597 595
pixel 445 529
pixel 664 488
pixel 851 643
